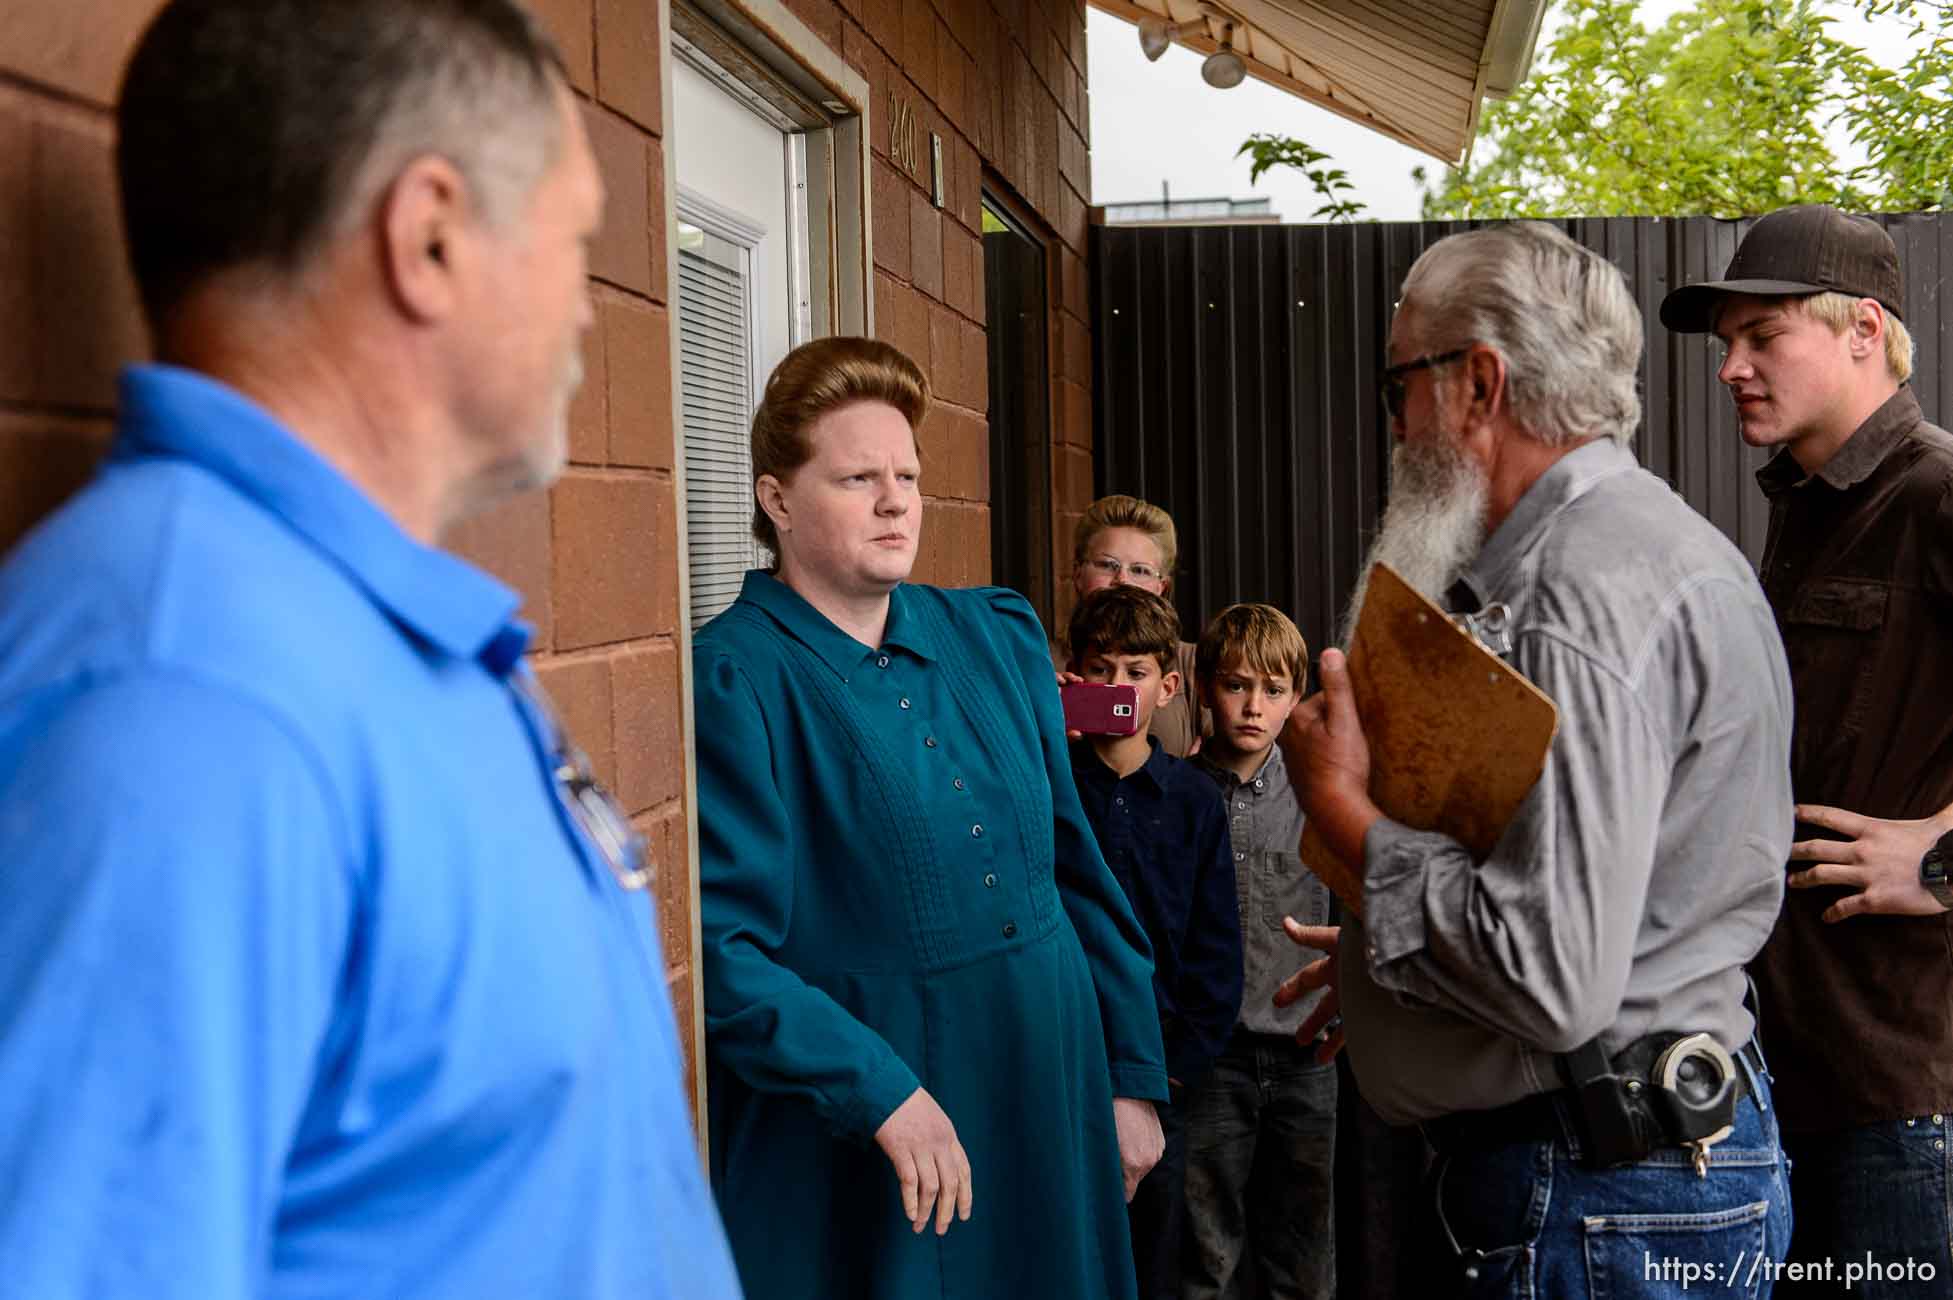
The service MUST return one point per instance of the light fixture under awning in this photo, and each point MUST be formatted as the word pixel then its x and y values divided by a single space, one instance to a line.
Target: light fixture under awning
pixel 1415 70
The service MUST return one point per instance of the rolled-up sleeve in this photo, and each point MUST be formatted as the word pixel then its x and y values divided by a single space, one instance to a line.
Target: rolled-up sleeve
pixel 1537 941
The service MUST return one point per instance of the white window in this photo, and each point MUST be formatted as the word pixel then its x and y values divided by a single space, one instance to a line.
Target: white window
pixel 716 372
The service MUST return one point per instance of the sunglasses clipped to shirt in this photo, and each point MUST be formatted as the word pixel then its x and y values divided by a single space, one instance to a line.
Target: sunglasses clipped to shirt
pixel 596 813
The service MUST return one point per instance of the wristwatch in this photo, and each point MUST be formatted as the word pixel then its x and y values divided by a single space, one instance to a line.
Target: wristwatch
pixel 1936 868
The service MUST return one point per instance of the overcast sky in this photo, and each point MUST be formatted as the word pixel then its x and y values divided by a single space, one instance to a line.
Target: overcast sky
pixel 1154 122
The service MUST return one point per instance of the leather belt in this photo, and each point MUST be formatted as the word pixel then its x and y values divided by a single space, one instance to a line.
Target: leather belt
pixel 1543 1116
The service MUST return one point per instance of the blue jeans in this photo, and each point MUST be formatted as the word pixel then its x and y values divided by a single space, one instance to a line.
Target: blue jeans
pixel 1525 1220
pixel 1261 1164
pixel 1872 1202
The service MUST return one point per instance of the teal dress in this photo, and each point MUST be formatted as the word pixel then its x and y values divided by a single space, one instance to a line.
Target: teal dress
pixel 897 889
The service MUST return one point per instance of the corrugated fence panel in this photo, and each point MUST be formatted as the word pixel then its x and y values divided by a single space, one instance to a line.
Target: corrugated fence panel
pixel 1236 385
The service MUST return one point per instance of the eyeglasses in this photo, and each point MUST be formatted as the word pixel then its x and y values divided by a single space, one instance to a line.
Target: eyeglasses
pixel 1392 378
pixel 1112 567
pixel 600 817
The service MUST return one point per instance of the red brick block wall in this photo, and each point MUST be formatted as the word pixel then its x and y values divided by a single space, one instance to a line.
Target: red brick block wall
pixel 1003 84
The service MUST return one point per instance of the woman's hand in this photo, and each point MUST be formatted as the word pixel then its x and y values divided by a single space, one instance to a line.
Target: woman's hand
pixel 1141 1143
pixel 921 1143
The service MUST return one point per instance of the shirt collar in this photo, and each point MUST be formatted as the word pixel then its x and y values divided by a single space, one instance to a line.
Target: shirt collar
pixel 440 598
pixel 1563 483
pixel 1156 771
pixel 1272 769
pixel 905 629
pixel 1863 451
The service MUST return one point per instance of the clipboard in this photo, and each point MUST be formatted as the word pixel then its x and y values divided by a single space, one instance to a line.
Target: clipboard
pixel 1457 737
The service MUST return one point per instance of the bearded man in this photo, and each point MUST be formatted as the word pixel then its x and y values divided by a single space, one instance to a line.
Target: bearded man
pixel 1566 1019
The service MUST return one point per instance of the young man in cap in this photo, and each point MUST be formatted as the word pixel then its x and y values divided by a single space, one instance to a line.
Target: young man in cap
pixel 1856 981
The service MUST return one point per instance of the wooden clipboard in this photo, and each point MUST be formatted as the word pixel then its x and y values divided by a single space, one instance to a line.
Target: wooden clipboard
pixel 1457 737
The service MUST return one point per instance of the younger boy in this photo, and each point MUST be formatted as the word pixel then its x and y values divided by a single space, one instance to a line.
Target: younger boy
pixel 1261 1127
pixel 1164 834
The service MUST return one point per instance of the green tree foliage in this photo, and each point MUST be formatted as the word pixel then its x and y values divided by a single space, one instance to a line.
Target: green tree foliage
pixel 1725 109
pixel 1903 118
pixel 1331 184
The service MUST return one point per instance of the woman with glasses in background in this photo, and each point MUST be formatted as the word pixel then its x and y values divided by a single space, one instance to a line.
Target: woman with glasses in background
pixel 1121 539
pixel 930 1026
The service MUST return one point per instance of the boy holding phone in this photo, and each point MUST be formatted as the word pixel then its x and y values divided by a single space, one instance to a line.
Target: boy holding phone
pixel 1261 1127
pixel 1163 829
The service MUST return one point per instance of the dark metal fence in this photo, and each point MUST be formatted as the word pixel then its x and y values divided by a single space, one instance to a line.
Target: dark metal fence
pixel 1235 385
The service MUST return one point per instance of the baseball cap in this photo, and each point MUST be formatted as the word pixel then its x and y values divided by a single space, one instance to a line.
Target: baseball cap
pixel 1807 249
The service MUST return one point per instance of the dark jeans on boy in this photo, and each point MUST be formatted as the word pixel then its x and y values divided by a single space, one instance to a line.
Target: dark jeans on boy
pixel 1260 1180
pixel 1874 1207
pixel 1157 1213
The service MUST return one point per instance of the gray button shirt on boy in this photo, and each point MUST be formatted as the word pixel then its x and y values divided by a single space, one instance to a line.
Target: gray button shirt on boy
pixel 1264 822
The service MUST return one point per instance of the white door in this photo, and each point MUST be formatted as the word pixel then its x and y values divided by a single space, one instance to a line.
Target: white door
pixel 741 238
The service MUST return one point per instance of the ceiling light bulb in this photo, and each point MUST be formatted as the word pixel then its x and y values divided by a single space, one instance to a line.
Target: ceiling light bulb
pixel 1223 69
pixel 1155 34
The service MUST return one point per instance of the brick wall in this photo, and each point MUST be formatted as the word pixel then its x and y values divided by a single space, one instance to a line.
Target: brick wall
pixel 1003 84
pixel 597 558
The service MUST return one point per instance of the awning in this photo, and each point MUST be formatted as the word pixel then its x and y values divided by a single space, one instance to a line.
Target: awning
pixel 1414 70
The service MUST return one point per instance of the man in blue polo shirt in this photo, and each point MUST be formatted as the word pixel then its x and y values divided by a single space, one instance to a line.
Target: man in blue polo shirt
pixel 322 965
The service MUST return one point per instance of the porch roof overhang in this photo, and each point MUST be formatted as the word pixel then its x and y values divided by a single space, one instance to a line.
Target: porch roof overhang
pixel 1417 71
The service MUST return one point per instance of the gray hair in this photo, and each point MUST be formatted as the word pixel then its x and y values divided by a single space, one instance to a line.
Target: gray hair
pixel 1560 314
pixel 255 132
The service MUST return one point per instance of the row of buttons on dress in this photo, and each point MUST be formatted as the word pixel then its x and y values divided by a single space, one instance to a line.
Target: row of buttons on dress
pixel 976 830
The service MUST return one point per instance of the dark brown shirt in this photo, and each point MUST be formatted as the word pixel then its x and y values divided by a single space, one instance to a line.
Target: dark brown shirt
pixel 1857 1018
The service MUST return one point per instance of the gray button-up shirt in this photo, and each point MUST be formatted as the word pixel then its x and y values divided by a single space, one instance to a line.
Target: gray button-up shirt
pixel 1645 868
pixel 1264 824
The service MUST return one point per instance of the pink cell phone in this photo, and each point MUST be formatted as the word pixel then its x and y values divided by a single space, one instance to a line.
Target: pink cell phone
pixel 1099 709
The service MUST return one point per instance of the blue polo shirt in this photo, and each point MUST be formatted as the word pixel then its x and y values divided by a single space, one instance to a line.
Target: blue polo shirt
pixel 309 985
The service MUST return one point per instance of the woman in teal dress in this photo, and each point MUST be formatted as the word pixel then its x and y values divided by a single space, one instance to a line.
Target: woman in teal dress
pixel 930 1025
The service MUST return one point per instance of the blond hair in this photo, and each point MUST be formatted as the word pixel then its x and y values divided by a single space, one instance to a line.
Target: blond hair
pixel 813 380
pixel 1259 636
pixel 1125 512
pixel 1838 310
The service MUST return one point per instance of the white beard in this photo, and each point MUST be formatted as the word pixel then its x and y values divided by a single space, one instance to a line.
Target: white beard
pixel 1433 525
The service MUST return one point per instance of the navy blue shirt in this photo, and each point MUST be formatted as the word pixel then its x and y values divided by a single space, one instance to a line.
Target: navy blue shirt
pixel 1163 831
pixel 310 984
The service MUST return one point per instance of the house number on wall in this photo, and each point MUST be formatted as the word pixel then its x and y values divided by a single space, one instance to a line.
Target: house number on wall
pixel 901 134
